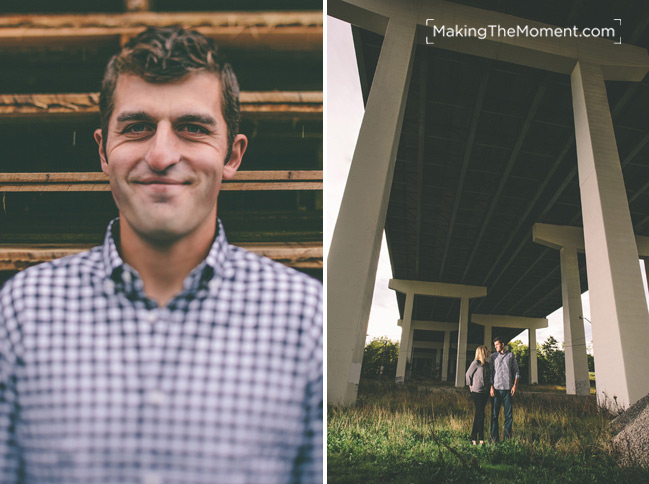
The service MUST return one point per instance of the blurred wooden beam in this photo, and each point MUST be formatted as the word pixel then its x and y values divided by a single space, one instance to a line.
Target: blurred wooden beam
pixel 254 104
pixel 289 31
pixel 97 181
pixel 304 255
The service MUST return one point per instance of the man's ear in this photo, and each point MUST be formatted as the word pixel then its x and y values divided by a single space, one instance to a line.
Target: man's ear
pixel 238 149
pixel 102 154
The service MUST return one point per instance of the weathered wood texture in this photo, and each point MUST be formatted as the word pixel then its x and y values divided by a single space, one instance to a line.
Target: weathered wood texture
pixel 304 255
pixel 255 105
pixel 291 31
pixel 97 181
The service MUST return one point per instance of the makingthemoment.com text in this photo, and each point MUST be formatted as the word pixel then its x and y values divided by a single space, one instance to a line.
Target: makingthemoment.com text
pixel 497 31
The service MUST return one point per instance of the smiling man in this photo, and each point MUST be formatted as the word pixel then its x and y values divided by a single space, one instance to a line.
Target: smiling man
pixel 166 354
pixel 504 374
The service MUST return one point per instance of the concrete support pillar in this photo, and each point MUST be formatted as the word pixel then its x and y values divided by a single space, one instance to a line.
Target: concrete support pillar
pixel 577 381
pixel 411 345
pixel 406 342
pixel 618 308
pixel 487 337
pixel 534 369
pixel 356 242
pixel 445 355
pixel 460 365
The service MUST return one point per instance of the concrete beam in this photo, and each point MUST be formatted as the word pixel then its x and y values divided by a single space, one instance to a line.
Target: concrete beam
pixel 431 325
pixel 504 321
pixel 440 289
pixel 438 345
pixel 428 344
pixel 622 62
pixel 558 236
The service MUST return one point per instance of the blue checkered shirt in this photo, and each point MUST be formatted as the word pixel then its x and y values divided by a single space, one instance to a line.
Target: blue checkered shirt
pixel 100 385
pixel 504 370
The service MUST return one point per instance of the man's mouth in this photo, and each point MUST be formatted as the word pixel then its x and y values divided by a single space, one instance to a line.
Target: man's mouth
pixel 160 181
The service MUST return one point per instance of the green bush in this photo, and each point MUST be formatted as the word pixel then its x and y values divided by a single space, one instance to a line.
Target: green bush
pixel 551 361
pixel 380 358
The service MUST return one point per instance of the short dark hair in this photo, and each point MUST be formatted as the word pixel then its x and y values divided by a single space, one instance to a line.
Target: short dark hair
pixel 166 54
pixel 498 338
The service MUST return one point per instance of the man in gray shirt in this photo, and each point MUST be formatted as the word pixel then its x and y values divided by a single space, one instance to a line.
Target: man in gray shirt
pixel 504 382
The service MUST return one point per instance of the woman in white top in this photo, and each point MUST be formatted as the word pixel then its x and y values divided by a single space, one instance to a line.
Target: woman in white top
pixel 477 377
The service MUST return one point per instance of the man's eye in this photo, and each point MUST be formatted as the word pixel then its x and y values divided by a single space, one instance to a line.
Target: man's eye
pixel 193 128
pixel 136 128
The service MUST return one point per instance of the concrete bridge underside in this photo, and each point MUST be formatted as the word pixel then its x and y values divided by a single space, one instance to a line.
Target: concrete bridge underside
pixel 465 145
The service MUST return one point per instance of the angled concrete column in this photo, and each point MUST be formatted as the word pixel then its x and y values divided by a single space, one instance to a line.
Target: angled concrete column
pixel 406 342
pixel 460 365
pixel 534 371
pixel 618 308
pixel 356 241
pixel 577 381
pixel 445 355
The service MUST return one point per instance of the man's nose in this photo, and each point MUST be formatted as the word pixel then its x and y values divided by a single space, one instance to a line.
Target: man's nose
pixel 163 149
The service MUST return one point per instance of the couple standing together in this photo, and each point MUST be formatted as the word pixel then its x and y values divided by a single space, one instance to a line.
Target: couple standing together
pixel 496 377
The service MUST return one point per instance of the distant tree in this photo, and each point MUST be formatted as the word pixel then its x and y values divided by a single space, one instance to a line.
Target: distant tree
pixel 552 362
pixel 522 353
pixel 380 358
pixel 591 362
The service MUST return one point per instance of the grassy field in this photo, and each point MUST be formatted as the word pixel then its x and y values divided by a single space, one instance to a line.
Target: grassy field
pixel 416 433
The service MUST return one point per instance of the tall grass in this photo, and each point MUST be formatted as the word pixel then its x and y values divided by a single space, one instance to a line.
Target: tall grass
pixel 410 434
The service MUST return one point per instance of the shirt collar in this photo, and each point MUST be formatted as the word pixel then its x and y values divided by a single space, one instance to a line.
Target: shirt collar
pixel 214 265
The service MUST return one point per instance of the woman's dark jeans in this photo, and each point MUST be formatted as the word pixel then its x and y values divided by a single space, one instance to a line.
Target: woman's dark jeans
pixel 480 400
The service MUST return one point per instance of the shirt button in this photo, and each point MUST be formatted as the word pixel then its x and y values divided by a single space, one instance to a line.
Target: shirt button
pixel 152 316
pixel 156 397
pixel 214 284
pixel 109 286
pixel 126 277
pixel 151 478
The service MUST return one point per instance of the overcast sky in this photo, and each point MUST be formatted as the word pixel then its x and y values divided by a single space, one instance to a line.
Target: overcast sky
pixel 344 116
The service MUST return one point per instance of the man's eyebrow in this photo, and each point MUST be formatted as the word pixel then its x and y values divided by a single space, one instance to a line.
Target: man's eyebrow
pixel 134 116
pixel 197 118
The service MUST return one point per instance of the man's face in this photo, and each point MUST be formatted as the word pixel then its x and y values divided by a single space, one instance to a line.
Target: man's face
pixel 165 155
pixel 499 346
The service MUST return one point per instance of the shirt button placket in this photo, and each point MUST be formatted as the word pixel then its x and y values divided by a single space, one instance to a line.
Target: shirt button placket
pixel 156 398
pixel 126 277
pixel 152 316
